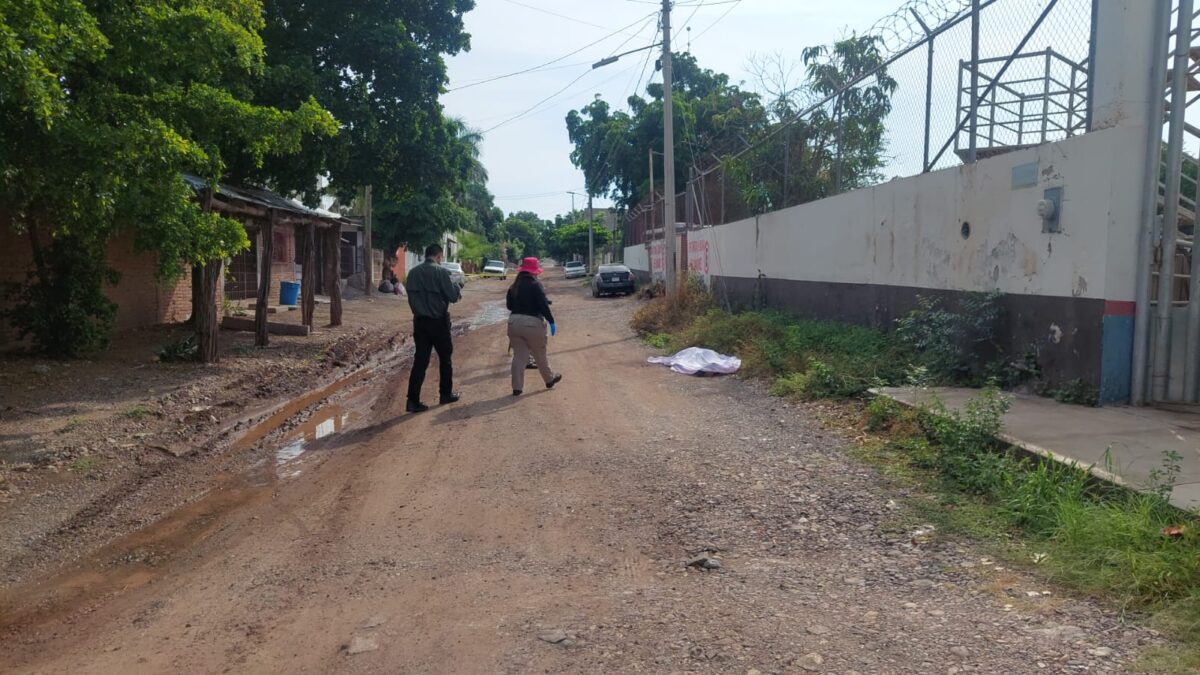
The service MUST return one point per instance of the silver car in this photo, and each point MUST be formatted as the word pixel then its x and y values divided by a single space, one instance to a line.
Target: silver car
pixel 574 269
pixel 496 268
pixel 456 273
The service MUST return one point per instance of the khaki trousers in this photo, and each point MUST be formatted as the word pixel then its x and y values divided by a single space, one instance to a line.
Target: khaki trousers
pixel 528 336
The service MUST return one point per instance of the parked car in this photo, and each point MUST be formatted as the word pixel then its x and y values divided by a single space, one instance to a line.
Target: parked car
pixel 496 268
pixel 613 279
pixel 456 273
pixel 574 269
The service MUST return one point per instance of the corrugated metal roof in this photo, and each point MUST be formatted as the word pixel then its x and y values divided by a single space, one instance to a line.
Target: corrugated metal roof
pixel 261 197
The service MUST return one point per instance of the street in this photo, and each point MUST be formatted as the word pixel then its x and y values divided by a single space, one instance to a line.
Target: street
pixel 553 532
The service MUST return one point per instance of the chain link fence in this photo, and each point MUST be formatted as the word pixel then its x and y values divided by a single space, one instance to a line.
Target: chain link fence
pixel 907 108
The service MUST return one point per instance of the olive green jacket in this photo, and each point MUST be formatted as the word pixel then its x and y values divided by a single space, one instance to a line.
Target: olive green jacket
pixel 431 291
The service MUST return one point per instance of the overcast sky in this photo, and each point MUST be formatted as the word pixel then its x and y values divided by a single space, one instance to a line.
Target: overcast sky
pixel 528 157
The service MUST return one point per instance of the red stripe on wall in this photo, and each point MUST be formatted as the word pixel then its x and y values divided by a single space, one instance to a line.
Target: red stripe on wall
pixel 1119 308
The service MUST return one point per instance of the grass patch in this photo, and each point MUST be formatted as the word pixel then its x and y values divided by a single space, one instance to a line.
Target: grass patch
pixel 85 464
pixel 138 412
pixel 807 359
pixel 73 424
pixel 1132 548
pixel 659 340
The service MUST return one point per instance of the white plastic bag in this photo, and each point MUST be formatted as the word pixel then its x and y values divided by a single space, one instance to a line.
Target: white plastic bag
pixel 697 360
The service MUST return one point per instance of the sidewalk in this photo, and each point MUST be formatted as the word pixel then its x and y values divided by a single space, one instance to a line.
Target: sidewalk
pixel 1137 437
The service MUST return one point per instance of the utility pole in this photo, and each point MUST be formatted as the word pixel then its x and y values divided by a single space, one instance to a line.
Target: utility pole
pixel 668 156
pixel 368 252
pixel 591 234
pixel 651 153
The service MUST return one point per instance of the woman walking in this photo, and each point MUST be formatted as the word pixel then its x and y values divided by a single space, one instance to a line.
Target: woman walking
pixel 527 326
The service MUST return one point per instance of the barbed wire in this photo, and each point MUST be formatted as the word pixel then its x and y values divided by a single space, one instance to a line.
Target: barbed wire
pixel 902 28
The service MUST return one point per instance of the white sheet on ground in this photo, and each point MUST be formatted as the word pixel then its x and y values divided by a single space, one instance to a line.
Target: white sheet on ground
pixel 696 360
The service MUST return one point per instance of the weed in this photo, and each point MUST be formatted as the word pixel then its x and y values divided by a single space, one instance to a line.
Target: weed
pixel 1075 392
pixel 183 350
pixel 949 343
pixel 881 413
pixel 1162 479
pixel 1100 539
pixel 85 464
pixel 72 424
pixel 672 313
pixel 659 340
pixel 138 412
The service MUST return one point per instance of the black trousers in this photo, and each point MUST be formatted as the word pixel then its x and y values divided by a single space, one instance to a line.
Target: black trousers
pixel 430 334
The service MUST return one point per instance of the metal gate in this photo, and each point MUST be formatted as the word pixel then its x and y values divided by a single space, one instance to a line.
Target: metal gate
pixel 1167 338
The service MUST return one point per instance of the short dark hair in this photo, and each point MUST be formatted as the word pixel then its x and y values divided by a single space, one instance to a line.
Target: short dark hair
pixel 433 250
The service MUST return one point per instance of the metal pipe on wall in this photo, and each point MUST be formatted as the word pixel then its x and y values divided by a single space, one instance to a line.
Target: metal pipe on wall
pixel 1160 375
pixel 1146 230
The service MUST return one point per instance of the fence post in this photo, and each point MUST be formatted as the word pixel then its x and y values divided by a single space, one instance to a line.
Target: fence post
pixel 972 149
pixel 1170 227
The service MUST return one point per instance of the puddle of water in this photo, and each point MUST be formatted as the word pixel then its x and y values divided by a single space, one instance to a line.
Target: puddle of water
pixel 129 562
pixel 277 419
pixel 489 314
pixel 325 422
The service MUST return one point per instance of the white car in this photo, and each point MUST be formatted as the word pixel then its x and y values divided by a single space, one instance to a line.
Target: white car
pixel 574 269
pixel 496 268
pixel 456 273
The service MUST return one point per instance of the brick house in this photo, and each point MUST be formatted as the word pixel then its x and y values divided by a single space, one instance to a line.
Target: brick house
pixel 143 299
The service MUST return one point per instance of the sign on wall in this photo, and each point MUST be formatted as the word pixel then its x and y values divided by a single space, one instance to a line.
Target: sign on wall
pixel 698 250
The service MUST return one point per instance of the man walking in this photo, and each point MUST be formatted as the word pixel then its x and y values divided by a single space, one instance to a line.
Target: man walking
pixel 430 293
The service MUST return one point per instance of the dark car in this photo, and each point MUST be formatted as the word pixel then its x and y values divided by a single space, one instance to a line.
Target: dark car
pixel 612 279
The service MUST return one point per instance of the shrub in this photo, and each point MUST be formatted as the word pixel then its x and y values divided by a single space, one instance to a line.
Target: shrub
pixel 950 343
pixel 672 313
pixel 183 350
pixel 881 412
pixel 61 305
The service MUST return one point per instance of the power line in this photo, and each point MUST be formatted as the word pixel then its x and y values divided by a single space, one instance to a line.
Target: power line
pixel 561 16
pixel 551 62
pixel 551 97
pixel 732 6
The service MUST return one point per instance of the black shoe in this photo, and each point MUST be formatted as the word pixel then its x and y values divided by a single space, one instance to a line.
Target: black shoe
pixel 556 380
pixel 416 407
pixel 530 366
pixel 450 398
pixel 516 392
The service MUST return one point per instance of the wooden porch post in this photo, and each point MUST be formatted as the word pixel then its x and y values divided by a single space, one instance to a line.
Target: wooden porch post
pixel 333 274
pixel 261 338
pixel 308 280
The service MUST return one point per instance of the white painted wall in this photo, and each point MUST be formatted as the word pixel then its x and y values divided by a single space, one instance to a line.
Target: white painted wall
pixel 907 232
pixel 637 258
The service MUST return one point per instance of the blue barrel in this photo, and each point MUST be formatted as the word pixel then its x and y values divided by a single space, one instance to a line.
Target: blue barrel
pixel 289 292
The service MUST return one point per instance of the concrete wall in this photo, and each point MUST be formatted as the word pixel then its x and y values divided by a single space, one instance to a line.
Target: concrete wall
pixel 866 256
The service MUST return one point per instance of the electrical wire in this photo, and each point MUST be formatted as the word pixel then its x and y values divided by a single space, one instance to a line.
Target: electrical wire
pixel 553 13
pixel 551 62
pixel 732 6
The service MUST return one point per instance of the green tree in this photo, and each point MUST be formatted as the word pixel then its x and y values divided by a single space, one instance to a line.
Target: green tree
pixel 571 240
pixel 712 115
pixel 379 67
pixel 104 106
pixel 837 148
pixel 460 201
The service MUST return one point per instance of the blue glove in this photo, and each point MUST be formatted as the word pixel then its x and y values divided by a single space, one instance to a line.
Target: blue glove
pixel 553 329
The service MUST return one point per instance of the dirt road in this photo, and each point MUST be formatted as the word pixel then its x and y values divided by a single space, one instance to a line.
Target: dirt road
pixel 551 533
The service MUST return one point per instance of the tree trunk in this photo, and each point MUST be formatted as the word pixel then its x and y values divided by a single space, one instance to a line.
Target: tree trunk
pixel 205 312
pixel 261 338
pixel 333 274
pixel 308 280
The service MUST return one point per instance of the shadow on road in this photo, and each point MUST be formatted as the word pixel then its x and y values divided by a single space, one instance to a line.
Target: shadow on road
pixel 455 413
